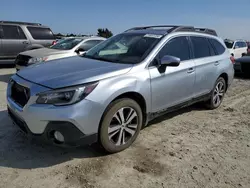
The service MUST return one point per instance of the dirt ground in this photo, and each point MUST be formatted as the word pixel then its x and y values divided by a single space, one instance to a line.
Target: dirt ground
pixel 193 147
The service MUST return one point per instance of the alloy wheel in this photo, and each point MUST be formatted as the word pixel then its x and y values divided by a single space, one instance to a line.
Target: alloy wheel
pixel 123 126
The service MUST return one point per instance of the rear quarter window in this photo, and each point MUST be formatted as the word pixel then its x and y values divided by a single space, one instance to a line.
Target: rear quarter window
pixel 219 48
pixel 40 33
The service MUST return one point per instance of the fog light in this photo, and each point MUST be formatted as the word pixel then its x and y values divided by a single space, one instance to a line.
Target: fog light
pixel 58 136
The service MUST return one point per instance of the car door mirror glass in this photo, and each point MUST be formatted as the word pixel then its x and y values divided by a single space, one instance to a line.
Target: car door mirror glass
pixel 171 61
pixel 235 47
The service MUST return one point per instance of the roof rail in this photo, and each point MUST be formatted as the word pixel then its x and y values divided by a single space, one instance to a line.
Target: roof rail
pixel 21 23
pixel 176 28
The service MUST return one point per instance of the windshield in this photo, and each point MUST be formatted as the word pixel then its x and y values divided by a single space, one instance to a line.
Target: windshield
pixel 124 48
pixel 66 44
pixel 229 44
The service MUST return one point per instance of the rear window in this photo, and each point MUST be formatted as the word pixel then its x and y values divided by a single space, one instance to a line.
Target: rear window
pixel 229 44
pixel 40 33
pixel 220 49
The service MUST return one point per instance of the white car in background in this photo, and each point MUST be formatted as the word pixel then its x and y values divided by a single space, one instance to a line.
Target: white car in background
pixel 237 48
pixel 63 48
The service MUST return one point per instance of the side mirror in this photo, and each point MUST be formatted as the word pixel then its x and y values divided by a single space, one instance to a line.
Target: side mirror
pixel 235 47
pixel 79 50
pixel 171 61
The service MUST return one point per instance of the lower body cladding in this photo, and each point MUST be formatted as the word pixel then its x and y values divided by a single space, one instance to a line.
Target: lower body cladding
pixel 72 125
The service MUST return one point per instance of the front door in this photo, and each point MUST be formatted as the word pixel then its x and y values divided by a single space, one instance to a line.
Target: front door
pixel 14 41
pixel 175 85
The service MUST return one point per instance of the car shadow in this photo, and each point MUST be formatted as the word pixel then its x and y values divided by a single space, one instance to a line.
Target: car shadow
pixel 5 78
pixel 19 151
pixel 242 76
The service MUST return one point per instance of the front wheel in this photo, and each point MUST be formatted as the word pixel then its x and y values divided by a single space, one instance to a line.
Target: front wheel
pixel 121 125
pixel 217 94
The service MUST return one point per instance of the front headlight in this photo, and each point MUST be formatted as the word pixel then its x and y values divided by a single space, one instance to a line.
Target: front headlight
pixel 66 96
pixel 38 59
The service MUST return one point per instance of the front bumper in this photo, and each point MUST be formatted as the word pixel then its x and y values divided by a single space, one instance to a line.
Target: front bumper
pixel 78 123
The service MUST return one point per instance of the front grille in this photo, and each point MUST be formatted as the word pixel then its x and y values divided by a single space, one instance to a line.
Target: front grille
pixel 17 121
pixel 245 67
pixel 20 94
pixel 22 60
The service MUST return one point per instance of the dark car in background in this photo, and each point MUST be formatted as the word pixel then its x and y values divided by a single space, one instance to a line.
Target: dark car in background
pixel 16 37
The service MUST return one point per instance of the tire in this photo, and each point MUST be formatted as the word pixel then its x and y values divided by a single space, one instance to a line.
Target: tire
pixel 219 90
pixel 113 141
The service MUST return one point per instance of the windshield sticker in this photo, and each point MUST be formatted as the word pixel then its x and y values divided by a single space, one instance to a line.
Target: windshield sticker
pixel 153 36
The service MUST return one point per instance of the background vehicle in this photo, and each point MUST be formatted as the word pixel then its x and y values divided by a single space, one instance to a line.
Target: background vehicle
pixel 242 65
pixel 63 48
pixel 237 48
pixel 113 90
pixel 16 37
pixel 248 47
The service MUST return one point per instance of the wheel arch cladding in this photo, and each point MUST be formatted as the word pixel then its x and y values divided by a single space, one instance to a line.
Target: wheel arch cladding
pixel 225 76
pixel 137 97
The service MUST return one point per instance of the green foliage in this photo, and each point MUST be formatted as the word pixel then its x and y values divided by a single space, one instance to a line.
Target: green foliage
pixel 104 32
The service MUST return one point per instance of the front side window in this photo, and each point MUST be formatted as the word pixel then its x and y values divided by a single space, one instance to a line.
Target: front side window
pixel 12 32
pixel 40 33
pixel 89 44
pixel 237 45
pixel 200 47
pixel 177 47
pixel 130 48
pixel 67 44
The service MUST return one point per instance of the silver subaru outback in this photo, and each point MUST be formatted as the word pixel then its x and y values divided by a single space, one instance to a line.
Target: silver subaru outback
pixel 108 94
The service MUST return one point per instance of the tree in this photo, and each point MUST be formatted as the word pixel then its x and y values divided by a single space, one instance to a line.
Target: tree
pixel 104 32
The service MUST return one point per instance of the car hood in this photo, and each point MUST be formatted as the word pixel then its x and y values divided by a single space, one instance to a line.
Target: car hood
pixel 71 71
pixel 42 52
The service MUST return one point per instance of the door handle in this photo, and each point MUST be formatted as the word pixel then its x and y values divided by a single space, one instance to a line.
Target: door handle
pixel 216 63
pixel 190 70
pixel 25 42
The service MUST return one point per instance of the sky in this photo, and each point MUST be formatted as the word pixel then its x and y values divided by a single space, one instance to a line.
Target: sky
pixel 230 18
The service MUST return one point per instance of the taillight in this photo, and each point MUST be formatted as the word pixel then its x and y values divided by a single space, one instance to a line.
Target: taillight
pixel 232 59
pixel 54 42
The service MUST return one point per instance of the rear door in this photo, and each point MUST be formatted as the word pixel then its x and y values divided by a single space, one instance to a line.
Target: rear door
pixel 14 41
pixel 205 65
pixel 41 35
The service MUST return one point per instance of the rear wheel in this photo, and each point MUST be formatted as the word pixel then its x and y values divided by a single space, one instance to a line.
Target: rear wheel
pixel 217 94
pixel 121 125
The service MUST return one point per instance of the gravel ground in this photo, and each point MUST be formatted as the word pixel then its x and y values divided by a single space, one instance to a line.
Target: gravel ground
pixel 193 147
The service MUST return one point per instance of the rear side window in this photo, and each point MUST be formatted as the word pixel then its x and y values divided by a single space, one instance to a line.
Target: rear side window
pixel 200 47
pixel 40 33
pixel 220 49
pixel 90 44
pixel 12 32
pixel 177 47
